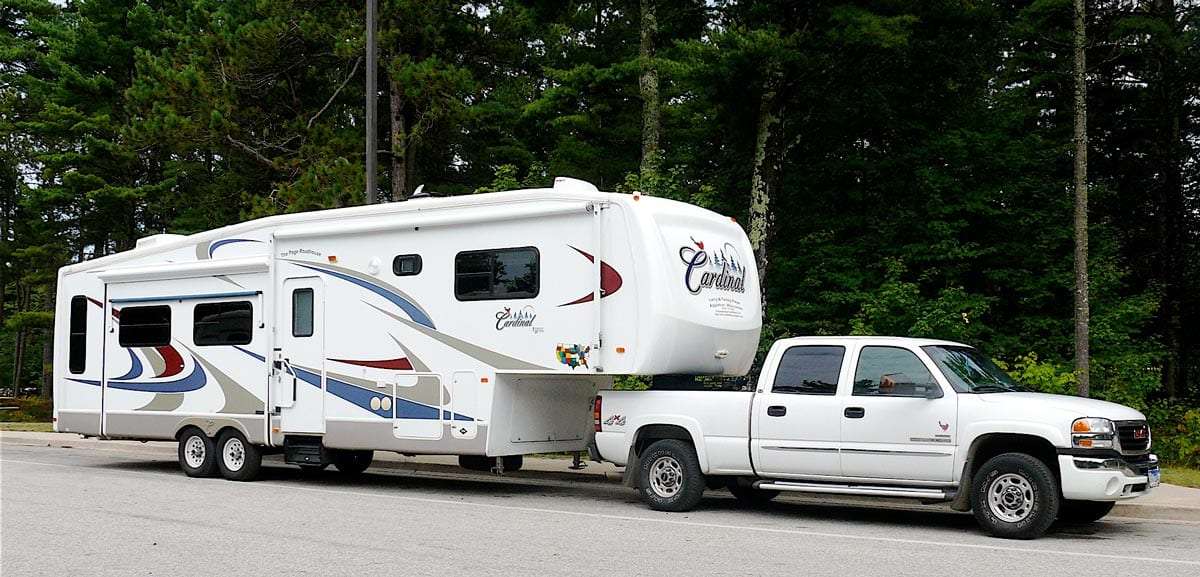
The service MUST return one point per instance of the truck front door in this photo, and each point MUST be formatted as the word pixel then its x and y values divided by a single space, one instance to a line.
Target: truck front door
pixel 796 421
pixel 897 422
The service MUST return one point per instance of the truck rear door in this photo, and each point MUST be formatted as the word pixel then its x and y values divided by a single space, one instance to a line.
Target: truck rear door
pixel 796 414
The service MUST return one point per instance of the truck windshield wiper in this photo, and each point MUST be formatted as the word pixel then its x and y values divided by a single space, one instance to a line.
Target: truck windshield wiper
pixel 993 388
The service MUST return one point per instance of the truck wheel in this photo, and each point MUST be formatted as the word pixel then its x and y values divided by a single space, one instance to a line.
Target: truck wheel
pixel 748 495
pixel 669 476
pixel 1015 496
pixel 239 460
pixel 352 462
pixel 1083 512
pixel 197 453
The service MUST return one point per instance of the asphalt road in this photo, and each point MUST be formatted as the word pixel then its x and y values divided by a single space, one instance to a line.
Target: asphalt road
pixel 124 511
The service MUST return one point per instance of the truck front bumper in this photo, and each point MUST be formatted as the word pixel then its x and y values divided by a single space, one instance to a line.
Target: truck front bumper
pixel 1106 477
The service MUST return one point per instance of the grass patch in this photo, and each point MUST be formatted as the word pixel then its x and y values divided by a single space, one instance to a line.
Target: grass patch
pixel 31 427
pixel 1184 476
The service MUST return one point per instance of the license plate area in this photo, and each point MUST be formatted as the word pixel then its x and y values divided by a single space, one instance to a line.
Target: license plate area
pixel 1154 476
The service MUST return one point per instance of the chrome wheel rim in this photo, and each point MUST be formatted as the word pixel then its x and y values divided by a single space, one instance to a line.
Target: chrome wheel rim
pixel 1011 497
pixel 193 452
pixel 234 454
pixel 666 477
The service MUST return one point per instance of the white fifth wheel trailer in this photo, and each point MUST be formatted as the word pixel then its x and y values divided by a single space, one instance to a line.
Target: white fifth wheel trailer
pixel 478 326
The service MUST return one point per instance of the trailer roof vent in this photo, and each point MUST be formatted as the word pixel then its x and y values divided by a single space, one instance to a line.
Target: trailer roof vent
pixel 156 239
pixel 565 184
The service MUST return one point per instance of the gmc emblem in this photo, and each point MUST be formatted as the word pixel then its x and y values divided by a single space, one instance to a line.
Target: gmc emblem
pixel 1141 433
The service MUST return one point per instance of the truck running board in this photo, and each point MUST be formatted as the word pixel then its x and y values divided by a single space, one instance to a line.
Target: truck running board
pixel 867 490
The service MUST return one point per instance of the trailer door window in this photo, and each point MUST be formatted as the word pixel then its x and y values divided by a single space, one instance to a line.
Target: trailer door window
pixel 809 370
pixel 78 342
pixel 145 326
pixel 499 274
pixel 228 323
pixel 302 312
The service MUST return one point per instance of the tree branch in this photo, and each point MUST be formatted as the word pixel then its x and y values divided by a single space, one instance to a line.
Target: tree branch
pixel 246 148
pixel 335 92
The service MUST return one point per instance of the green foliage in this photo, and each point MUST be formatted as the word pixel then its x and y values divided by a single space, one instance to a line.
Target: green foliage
pixel 29 410
pixel 1176 433
pixel 1041 376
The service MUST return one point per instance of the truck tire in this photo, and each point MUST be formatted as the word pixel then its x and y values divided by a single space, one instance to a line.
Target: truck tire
pixel 1084 512
pixel 239 460
pixel 197 453
pixel 1015 496
pixel 669 476
pixel 747 495
pixel 352 462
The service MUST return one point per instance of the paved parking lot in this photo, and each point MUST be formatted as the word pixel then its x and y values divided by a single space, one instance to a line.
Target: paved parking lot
pixel 126 509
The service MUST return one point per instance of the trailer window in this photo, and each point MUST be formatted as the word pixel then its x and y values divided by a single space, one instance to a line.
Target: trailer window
pixel 78 338
pixel 500 274
pixel 229 323
pixel 809 370
pixel 302 312
pixel 406 265
pixel 145 326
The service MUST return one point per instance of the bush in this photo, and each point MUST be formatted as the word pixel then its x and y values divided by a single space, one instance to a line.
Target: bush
pixel 1176 431
pixel 29 410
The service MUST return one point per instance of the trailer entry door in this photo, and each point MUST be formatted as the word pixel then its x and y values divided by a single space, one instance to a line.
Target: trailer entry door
pixel 300 383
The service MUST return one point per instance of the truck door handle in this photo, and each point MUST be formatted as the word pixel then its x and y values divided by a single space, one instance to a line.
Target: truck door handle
pixel 776 411
pixel 854 412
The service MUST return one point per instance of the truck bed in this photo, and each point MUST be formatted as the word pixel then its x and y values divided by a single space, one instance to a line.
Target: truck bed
pixel 720 418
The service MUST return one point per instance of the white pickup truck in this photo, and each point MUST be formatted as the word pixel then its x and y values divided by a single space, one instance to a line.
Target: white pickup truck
pixel 881 416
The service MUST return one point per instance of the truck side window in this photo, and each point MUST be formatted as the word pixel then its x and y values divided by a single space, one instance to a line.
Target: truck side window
pixel 809 370
pixel 145 326
pixel 302 312
pixel 78 342
pixel 891 372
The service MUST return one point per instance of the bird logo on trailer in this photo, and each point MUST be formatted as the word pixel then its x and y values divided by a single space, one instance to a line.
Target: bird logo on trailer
pixel 721 269
pixel 572 355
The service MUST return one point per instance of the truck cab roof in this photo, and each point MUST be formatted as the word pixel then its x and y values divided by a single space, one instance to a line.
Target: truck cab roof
pixel 875 340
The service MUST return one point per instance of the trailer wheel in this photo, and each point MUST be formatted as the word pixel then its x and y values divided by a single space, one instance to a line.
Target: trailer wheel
pixel 669 476
pixel 239 459
pixel 352 462
pixel 197 453
pixel 748 495
pixel 1015 496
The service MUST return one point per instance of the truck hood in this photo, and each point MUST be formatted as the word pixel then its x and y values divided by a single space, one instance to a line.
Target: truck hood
pixel 1077 406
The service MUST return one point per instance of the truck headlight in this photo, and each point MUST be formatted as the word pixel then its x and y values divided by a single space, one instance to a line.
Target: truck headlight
pixel 1092 433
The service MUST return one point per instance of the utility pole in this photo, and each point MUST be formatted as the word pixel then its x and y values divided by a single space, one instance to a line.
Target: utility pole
pixel 372 190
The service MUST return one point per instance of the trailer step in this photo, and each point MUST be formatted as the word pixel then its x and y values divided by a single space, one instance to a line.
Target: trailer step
pixel 865 490
pixel 303 450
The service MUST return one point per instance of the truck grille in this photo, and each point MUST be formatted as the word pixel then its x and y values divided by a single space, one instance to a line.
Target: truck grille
pixel 1133 435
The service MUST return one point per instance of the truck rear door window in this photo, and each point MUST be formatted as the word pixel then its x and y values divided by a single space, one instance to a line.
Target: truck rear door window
pixel 78 342
pixel 145 326
pixel 499 274
pixel 809 370
pixel 229 323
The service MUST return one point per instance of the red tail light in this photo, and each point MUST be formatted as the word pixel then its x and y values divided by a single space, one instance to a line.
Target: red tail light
pixel 596 413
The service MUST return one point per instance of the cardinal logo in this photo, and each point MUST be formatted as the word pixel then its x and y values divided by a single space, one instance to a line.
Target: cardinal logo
pixel 944 426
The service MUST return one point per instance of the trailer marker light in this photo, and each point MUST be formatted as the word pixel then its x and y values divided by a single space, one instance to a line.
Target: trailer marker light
pixel 483 380
pixel 333 258
pixel 620 349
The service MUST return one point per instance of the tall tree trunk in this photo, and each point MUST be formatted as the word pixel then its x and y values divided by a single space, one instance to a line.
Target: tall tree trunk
pixel 762 179
pixel 1082 312
pixel 648 82
pixel 18 360
pixel 47 363
pixel 1170 99
pixel 400 144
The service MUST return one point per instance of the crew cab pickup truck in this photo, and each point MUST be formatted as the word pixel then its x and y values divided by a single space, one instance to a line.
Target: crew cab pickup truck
pixel 890 417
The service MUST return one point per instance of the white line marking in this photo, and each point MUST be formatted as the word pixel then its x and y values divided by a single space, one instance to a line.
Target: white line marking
pixel 821 534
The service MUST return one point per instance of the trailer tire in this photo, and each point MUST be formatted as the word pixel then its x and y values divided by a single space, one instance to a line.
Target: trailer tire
pixel 352 462
pixel 197 453
pixel 669 476
pixel 239 459
pixel 748 495
pixel 1015 496
pixel 1084 512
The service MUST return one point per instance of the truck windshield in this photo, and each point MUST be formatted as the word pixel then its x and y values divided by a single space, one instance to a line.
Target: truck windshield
pixel 970 371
